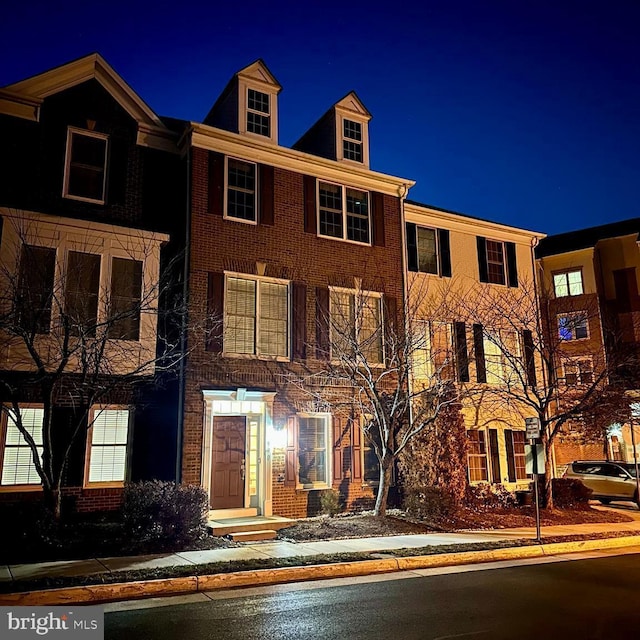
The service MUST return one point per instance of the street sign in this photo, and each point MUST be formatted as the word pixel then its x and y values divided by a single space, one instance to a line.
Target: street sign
pixel 532 426
pixel 530 467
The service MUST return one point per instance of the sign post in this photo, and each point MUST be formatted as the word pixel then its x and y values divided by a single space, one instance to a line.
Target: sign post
pixel 532 426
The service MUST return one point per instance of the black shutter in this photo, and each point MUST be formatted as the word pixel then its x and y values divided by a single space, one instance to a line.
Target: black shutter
pixel 412 247
pixel 377 200
pixel 482 259
pixel 495 456
pixel 310 215
pixel 511 460
pixel 322 323
pixel 266 194
pixel 512 266
pixel 299 315
pixel 462 356
pixel 478 348
pixel 216 183
pixel 529 357
pixel 444 253
pixel 215 312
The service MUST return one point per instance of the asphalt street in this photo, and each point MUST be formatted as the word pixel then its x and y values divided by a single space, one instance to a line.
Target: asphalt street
pixel 582 599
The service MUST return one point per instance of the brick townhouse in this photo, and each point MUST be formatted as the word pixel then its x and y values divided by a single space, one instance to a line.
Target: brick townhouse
pixel 89 177
pixel 281 240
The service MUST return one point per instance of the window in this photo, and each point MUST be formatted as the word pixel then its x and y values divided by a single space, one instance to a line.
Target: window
pixel 107 446
pixel 573 326
pixel 352 140
pixel 426 250
pixel 433 352
pixel 356 320
pixel 568 283
pixel 493 359
pixel 495 262
pixel 17 461
pixel 258 113
pixel 256 318
pixel 344 213
pixel 477 456
pixel 578 372
pixel 313 451
pixel 126 289
pixel 35 288
pixel 519 456
pixel 81 294
pixel 86 166
pixel 502 358
pixel 241 190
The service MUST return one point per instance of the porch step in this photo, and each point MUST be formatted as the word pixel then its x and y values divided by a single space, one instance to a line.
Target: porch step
pixel 252 536
pixel 220 514
pixel 227 526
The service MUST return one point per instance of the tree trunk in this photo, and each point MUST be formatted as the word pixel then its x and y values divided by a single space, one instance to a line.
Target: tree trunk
pixel 380 508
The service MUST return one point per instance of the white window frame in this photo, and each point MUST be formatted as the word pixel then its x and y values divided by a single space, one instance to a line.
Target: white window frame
pixel 505 266
pixel 94 413
pixel 340 138
pixel 348 139
pixel 358 293
pixel 226 215
pixel 572 327
pixel 328 453
pixel 437 253
pixel 4 420
pixel 345 215
pixel 428 327
pixel 507 368
pixel 256 333
pixel 249 110
pixel 71 131
pixel 565 274
pixel 575 362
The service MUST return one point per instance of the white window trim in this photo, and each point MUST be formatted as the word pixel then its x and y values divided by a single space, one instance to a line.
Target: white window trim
pixel 243 102
pixel 257 279
pixel 505 266
pixel 566 273
pixel 249 110
pixel 329 451
pixel 340 138
pixel 437 242
pixel 428 327
pixel 226 192
pixel 96 409
pixel 71 131
pixel 344 238
pixel 576 363
pixel 569 314
pixel 489 336
pixel 12 488
pixel 360 293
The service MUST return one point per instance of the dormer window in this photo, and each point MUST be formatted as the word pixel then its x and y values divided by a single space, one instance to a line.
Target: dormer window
pixel 258 113
pixel 86 166
pixel 352 140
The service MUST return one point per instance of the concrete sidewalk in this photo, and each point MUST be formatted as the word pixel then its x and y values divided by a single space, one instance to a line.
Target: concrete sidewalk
pixel 286 549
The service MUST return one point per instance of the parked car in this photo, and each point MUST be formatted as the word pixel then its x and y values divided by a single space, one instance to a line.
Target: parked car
pixel 608 480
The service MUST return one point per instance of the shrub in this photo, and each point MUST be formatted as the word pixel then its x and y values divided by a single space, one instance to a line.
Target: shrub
pixel 164 513
pixel 429 503
pixel 570 493
pixel 490 496
pixel 330 502
pixel 28 529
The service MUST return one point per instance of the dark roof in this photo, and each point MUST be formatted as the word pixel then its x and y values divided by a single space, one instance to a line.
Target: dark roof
pixel 585 238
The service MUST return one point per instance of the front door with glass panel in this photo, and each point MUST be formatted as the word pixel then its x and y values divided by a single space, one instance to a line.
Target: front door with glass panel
pixel 227 488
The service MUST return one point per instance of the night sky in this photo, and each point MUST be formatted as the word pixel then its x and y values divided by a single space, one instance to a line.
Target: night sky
pixel 519 111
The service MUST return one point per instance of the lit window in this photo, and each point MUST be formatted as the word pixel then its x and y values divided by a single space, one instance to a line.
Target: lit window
pixel 503 358
pixel 17 461
pixel 126 290
pixel 256 317
pixel 573 326
pixel 344 212
pixel 519 455
pixel 258 113
pixel 352 140
pixel 313 454
pixel 86 166
pixel 35 288
pixel 107 450
pixel 241 190
pixel 477 456
pixel 433 352
pixel 568 283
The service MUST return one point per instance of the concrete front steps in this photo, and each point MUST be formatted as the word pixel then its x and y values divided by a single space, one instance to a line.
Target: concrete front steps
pixel 248 528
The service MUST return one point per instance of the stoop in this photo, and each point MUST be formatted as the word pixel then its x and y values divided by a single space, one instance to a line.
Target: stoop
pixel 249 528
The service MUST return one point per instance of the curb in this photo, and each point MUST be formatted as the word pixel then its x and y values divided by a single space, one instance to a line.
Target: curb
pixel 100 593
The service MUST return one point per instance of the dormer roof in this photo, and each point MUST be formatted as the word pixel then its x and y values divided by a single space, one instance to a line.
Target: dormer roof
pixel 352 103
pixel 23 99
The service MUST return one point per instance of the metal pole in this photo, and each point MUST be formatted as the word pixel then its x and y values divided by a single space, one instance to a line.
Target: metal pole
pixel 534 446
pixel 635 455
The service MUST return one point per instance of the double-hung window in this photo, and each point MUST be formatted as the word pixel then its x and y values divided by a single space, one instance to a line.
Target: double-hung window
pixel 256 317
pixel 258 113
pixel 578 372
pixel 82 284
pixel 240 195
pixel 573 326
pixel 495 262
pixel 86 166
pixel 568 283
pixel 313 450
pixel 343 213
pixel 35 288
pixel 17 457
pixel 519 454
pixel 477 456
pixel 126 292
pixel 107 438
pixel 356 325
pixel 503 358
pixel 433 352
pixel 352 140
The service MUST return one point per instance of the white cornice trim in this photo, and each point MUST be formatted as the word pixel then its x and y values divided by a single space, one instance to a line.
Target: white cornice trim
pixel 465 224
pixel 232 144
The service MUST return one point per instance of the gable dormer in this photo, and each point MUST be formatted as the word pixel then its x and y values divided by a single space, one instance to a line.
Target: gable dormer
pixel 341 134
pixel 249 104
